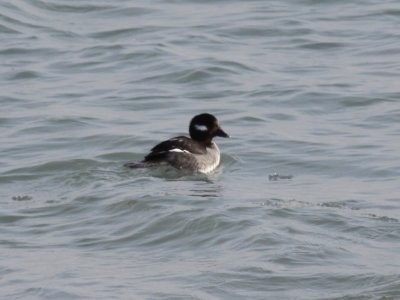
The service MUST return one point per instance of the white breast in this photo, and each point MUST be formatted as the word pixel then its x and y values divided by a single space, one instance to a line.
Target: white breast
pixel 211 160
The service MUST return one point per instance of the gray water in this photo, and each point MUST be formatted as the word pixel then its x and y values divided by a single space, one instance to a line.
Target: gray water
pixel 305 203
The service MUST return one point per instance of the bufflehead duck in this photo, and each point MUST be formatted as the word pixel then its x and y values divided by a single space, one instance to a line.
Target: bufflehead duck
pixel 197 153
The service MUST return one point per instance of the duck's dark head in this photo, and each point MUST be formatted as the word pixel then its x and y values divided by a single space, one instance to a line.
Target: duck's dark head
pixel 205 127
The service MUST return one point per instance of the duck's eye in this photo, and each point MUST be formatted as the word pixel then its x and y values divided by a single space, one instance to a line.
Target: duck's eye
pixel 201 127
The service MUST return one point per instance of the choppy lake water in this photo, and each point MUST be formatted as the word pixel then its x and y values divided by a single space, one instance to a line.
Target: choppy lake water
pixel 305 204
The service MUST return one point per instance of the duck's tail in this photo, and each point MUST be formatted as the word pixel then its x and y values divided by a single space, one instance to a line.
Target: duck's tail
pixel 139 164
pixel 136 165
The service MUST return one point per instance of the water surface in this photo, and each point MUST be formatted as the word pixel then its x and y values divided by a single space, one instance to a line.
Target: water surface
pixel 305 204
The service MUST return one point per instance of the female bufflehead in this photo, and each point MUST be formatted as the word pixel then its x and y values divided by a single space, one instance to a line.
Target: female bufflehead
pixel 198 153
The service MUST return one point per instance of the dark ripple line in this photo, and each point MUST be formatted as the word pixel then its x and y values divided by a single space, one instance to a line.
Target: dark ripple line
pixel 67 7
pixel 16 51
pixel 24 75
pixel 129 11
pixel 7 30
pixel 10 20
pixel 116 33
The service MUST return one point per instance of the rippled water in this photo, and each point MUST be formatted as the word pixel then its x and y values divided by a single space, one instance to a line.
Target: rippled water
pixel 305 204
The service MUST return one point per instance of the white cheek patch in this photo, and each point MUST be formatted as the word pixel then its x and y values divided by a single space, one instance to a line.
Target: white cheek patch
pixel 178 150
pixel 201 127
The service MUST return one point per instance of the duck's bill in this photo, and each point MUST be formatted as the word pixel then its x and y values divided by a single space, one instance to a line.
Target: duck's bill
pixel 221 133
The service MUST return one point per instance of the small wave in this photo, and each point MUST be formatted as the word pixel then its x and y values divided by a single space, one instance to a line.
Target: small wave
pixel 23 75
